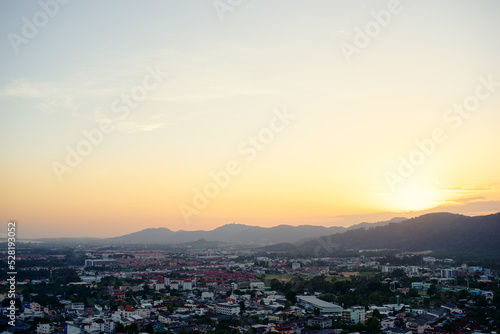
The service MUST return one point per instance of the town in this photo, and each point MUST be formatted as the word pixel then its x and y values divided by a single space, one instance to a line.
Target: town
pixel 238 290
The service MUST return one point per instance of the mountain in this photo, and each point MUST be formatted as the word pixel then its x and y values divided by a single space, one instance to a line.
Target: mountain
pixel 436 231
pixel 382 223
pixel 147 236
pixel 230 233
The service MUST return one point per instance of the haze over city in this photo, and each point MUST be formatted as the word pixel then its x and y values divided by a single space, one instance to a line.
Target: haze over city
pixel 119 116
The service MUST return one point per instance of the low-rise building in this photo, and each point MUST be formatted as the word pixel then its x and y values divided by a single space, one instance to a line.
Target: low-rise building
pixel 228 309
pixel 322 322
pixel 311 303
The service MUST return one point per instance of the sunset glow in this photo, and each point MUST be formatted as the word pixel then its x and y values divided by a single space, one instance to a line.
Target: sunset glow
pixel 118 117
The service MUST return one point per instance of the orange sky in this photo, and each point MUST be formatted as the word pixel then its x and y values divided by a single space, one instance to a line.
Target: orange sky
pixel 116 123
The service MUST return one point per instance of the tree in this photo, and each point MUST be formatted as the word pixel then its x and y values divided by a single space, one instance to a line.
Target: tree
pixel 399 273
pixel 316 311
pixel 372 325
pixel 291 296
pixel 133 328
pixel 413 293
pixel 433 290
pixel 376 314
pixel 149 328
pixel 242 307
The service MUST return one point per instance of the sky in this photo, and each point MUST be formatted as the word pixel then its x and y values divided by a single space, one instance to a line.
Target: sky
pixel 118 116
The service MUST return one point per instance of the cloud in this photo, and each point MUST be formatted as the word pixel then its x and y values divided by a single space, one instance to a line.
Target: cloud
pixel 63 103
pixel 466 189
pixel 130 126
pixel 470 199
pixel 24 89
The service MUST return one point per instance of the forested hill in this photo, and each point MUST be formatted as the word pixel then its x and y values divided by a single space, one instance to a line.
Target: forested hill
pixel 437 231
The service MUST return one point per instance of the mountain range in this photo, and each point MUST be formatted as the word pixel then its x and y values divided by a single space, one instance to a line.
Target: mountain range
pixel 230 233
pixel 445 232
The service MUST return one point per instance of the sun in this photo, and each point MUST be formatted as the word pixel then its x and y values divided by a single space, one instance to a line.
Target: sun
pixel 413 198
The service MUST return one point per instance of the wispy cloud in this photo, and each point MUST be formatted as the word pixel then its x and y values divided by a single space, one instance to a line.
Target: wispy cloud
pixel 24 89
pixel 470 199
pixel 130 126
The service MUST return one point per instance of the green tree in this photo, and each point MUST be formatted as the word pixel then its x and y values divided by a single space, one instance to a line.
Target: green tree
pixel 433 290
pixel 413 293
pixel 291 296
pixel 372 325
pixel 376 314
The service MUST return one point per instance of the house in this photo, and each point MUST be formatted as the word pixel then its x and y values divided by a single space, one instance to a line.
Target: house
pixel 35 307
pixel 275 318
pixel 143 312
pixel 322 322
pixel 438 312
pixel 207 295
pixel 421 286
pixel 283 329
pixel 164 319
pixel 393 330
pixel 420 323
pixel 104 325
pixel 388 322
pixel 71 328
pixel 44 328
pixel 77 306
pixel 129 310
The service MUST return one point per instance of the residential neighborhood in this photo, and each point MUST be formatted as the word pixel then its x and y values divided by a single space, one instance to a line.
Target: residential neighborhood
pixel 234 291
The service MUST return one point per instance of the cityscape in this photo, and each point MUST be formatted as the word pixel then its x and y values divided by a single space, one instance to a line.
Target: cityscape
pixel 249 166
pixel 100 286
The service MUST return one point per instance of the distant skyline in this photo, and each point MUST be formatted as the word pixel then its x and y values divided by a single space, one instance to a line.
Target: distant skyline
pixel 118 115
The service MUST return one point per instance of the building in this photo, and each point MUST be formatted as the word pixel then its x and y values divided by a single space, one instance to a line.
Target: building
pixel 99 263
pixel 35 307
pixel 322 322
pixel 449 273
pixel 354 315
pixel 187 285
pixel 393 330
pixel 102 325
pixel 311 303
pixel 44 328
pixel 421 286
pixel 257 285
pixel 228 309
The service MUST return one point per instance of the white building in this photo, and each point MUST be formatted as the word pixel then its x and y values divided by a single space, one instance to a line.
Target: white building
pixel 311 302
pixel 207 295
pixel 228 309
pixel 355 315
pixel 257 285
pixel 187 285
pixel 105 325
pixel 44 328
